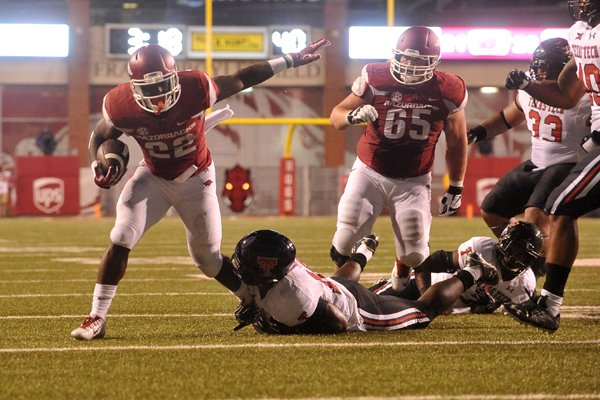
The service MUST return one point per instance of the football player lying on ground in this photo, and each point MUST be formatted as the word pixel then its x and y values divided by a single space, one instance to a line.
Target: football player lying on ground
pixel 516 255
pixel 289 298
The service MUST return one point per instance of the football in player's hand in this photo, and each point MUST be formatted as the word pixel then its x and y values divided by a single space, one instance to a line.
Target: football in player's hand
pixel 113 153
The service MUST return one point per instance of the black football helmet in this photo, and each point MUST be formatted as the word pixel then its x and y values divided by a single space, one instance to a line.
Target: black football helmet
pixel 519 247
pixel 585 10
pixel 549 58
pixel 263 256
pixel 153 78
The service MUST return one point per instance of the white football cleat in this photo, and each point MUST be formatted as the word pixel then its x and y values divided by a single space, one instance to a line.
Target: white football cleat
pixel 91 328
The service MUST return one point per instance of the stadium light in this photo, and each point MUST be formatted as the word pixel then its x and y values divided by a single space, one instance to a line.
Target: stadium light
pixel 34 40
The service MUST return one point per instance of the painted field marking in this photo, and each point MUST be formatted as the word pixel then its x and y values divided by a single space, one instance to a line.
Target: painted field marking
pixel 16 296
pixel 299 345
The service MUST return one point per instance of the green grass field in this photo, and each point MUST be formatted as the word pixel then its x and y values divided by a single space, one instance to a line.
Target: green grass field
pixel 169 332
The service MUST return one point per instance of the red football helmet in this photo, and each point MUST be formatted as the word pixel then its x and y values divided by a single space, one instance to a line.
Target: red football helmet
pixel 416 56
pixel 154 81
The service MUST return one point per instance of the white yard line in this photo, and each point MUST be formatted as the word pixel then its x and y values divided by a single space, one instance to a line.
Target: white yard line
pixel 530 396
pixel 592 312
pixel 297 345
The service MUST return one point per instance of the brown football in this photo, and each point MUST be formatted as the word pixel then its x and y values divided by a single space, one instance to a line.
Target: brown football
pixel 113 152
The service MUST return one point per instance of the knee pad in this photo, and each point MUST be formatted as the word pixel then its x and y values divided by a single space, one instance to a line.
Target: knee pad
pixel 412 225
pixel 413 259
pixel 338 258
pixel 124 236
pixel 208 261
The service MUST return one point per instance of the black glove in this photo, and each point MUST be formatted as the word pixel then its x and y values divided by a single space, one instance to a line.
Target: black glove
pixel 245 314
pixel 483 303
pixel 476 134
pixel 517 80
pixel 265 324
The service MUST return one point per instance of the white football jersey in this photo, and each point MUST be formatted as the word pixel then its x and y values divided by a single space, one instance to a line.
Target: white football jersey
pixel 516 290
pixel 585 46
pixel 555 133
pixel 294 298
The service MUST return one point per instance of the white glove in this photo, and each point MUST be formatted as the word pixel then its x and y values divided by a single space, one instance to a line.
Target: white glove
pixel 451 200
pixel 364 113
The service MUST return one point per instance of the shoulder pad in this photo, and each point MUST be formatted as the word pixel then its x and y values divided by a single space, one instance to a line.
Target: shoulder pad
pixel 359 86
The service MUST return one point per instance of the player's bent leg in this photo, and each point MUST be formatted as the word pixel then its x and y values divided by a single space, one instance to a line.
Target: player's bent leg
pixel 495 222
pixel 411 236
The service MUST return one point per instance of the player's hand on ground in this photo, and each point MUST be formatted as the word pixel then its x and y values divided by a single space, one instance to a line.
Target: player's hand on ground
pixel 246 314
pixel 306 55
pixel 362 114
pixel 517 80
pixel 451 201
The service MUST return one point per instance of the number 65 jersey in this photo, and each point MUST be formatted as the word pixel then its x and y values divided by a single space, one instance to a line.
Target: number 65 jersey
pixel 174 140
pixel 401 142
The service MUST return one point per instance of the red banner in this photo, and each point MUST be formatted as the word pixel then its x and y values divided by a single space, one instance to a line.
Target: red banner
pixel 482 174
pixel 47 185
pixel 287 186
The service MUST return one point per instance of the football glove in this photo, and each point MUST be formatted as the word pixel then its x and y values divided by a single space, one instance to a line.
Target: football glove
pixel 483 303
pixel 476 134
pixel 451 200
pixel 246 314
pixel 108 179
pixel 306 55
pixel 362 114
pixel 591 141
pixel 517 80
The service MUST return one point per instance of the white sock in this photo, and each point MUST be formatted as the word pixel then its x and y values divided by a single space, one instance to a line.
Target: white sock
pixel 103 296
pixel 553 302
pixel 476 272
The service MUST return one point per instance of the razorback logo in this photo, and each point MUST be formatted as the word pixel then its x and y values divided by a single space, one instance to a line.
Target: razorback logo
pixel 48 194
pixel 237 192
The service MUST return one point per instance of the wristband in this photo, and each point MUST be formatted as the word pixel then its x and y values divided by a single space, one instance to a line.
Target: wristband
pixel 278 64
pixel 456 183
pixel 360 259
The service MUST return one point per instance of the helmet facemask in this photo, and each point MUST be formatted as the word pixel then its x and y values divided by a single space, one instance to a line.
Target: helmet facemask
pixel 519 248
pixel 157 92
pixel 408 67
pixel 585 10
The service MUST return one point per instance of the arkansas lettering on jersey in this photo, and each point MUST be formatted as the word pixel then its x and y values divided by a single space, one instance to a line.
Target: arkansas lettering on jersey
pixel 401 142
pixel 174 140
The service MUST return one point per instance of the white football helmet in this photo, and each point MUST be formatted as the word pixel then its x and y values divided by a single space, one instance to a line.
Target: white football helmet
pixel 154 80
pixel 416 56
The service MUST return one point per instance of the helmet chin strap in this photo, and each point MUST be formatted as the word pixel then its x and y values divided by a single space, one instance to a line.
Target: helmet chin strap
pixel 160 107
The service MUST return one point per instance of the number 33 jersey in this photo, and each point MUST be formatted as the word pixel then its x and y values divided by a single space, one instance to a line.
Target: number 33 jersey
pixel 556 134
pixel 174 140
pixel 401 142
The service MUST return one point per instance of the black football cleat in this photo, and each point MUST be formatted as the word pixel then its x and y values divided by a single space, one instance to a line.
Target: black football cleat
pixel 534 312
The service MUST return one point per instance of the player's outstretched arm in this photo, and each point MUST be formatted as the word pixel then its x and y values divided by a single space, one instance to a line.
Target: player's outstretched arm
pixel 498 123
pixel 456 161
pixel 261 71
pixel 564 93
